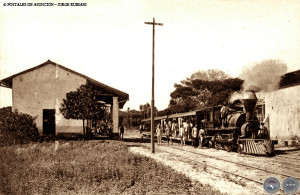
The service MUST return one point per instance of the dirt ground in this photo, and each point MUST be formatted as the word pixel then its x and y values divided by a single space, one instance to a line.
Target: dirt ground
pixel 185 159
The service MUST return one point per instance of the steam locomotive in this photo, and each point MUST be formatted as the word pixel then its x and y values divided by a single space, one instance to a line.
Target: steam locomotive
pixel 237 130
pixel 241 131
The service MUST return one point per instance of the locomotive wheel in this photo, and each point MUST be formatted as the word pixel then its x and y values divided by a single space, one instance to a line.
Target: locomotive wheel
pixel 217 146
pixel 210 144
pixel 228 148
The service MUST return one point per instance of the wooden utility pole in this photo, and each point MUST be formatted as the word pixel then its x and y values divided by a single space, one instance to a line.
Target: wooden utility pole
pixel 152 99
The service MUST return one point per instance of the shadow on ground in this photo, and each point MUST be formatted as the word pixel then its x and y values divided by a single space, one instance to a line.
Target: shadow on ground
pixel 286 150
pixel 137 140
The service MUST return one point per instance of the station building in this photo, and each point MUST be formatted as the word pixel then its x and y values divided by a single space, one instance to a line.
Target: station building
pixel 39 92
pixel 282 109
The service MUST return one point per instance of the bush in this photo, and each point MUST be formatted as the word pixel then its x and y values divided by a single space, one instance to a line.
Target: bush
pixel 16 128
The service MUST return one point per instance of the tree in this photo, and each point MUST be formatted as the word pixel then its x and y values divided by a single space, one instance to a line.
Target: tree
pixel 131 118
pixel 164 112
pixel 136 117
pixel 210 75
pixel 123 118
pixel 144 109
pixel 203 88
pixel 83 104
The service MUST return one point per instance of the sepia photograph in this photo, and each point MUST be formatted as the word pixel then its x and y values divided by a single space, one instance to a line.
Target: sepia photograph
pixel 150 97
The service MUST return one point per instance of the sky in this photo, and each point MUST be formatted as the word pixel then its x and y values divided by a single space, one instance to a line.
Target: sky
pixel 108 41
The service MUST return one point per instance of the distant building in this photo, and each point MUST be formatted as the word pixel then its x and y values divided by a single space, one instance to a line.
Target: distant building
pixel 39 91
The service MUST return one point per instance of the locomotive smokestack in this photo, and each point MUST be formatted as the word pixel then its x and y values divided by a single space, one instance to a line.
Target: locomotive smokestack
pixel 249 101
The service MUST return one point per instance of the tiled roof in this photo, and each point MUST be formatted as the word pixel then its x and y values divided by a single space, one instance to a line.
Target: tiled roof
pixel 290 79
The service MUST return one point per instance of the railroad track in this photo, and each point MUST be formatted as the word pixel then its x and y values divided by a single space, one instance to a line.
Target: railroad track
pixel 286 157
pixel 212 162
pixel 238 163
pixel 283 158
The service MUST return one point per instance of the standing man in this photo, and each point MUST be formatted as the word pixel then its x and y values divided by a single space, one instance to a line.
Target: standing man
pixel 141 128
pixel 122 132
pixel 195 137
pixel 201 136
pixel 169 133
pixel 181 132
pixel 224 112
pixel 159 134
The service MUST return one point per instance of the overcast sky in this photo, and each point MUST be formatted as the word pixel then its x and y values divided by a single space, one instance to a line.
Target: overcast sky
pixel 108 41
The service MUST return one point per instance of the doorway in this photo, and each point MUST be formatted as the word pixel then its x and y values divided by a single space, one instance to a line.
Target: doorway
pixel 48 121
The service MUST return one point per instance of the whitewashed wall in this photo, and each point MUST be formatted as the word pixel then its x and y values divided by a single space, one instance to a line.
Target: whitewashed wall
pixel 283 109
pixel 44 88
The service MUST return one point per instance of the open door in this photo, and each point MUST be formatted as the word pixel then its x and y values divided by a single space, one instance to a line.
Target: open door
pixel 49 121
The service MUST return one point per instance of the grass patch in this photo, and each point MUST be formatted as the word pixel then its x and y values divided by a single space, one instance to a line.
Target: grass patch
pixel 90 167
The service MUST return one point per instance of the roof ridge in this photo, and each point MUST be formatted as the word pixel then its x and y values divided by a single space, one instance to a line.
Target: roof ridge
pixel 8 80
pixel 88 78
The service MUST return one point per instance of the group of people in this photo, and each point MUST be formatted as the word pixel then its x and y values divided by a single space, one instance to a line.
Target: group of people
pixel 186 131
pixel 189 132
pixel 101 129
pixel 168 133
